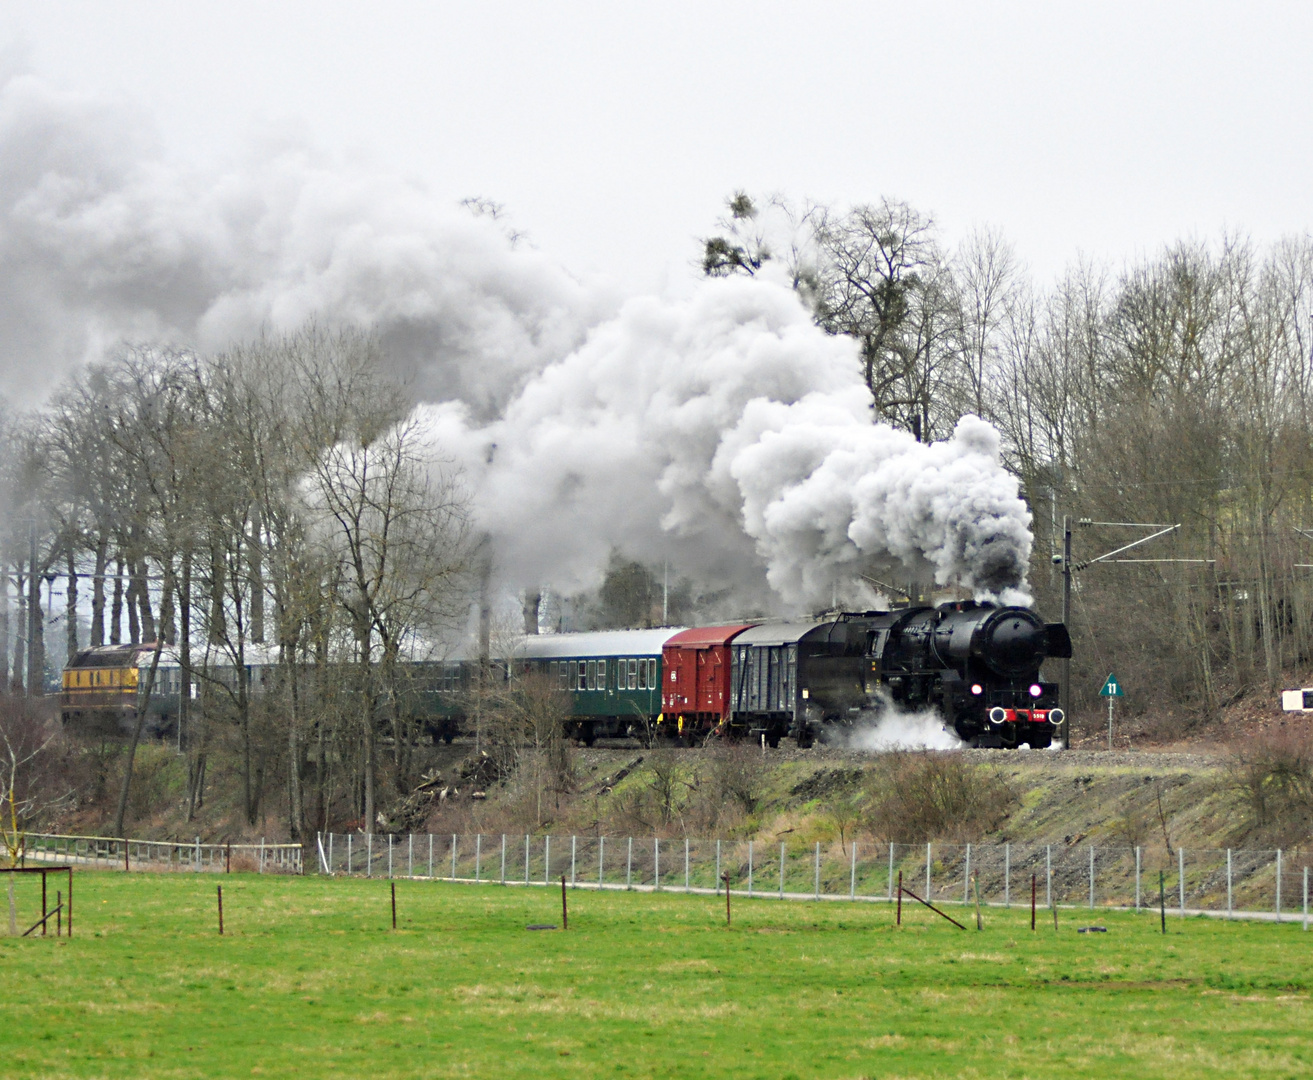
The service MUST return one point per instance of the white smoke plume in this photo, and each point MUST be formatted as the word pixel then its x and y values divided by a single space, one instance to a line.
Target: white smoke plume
pixel 894 729
pixel 723 434
pixel 104 239
pixel 731 436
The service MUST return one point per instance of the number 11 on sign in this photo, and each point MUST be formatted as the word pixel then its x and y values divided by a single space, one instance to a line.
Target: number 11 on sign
pixel 1112 689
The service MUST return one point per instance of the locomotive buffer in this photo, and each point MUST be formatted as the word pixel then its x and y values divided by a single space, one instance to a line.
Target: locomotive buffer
pixel 1112 690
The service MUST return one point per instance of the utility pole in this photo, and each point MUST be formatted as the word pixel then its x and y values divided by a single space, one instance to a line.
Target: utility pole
pixel 665 595
pixel 1065 696
pixel 36 653
pixel 1068 568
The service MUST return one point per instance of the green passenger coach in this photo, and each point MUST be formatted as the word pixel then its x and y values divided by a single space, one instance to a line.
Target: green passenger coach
pixel 614 677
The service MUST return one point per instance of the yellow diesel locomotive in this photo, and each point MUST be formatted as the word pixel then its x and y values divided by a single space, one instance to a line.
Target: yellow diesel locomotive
pixel 102 687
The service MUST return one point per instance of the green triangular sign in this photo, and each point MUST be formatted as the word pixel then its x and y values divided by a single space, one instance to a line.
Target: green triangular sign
pixel 1112 687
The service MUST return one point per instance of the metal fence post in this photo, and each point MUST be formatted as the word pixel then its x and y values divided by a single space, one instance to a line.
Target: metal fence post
pixel 818 869
pixel 686 878
pixel 547 859
pixel 1137 878
pixel 1091 877
pixel 718 868
pixel 966 878
pixel 629 866
pixel 852 879
pixel 526 858
pixel 572 855
pixel 891 873
pixel 410 855
pixel 601 850
pixel 430 856
pixel 478 858
pixel 503 858
pixel 749 867
pixel 389 855
pixel 348 853
pixel 1278 884
pixel 781 871
pixel 1228 883
pixel 1180 862
pixel 369 854
pixel 453 856
pixel 656 863
pixel 928 895
pixel 1305 899
pixel 1048 875
pixel 1007 875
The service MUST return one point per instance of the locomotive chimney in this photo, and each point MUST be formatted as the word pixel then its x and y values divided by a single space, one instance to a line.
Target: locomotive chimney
pixel 530 604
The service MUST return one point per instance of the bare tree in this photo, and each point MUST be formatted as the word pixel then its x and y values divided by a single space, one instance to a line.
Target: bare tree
pixel 394 518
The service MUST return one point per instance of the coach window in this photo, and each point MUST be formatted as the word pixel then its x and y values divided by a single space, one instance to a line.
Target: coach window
pixel 592 675
pixel 581 672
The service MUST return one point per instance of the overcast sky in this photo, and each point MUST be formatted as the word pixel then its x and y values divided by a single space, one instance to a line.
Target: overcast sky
pixel 614 131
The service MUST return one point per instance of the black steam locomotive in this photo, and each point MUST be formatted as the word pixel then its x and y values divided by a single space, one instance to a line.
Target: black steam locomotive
pixel 975 664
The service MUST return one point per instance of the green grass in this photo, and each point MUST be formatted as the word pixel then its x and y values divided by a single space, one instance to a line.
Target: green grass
pixel 310 980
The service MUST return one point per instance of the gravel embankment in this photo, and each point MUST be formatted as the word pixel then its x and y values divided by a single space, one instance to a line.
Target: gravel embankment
pixel 1200 760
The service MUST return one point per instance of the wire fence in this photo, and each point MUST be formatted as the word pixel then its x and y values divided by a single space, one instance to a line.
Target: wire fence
pixel 1269 883
pixel 117 852
pixel 1235 881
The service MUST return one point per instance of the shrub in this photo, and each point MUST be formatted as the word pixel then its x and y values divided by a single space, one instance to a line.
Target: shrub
pixel 914 797
pixel 1270 779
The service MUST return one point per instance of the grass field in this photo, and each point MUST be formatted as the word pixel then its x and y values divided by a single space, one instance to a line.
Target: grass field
pixel 310 980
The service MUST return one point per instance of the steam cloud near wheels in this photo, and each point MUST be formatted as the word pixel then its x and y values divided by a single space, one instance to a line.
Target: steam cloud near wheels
pixel 721 432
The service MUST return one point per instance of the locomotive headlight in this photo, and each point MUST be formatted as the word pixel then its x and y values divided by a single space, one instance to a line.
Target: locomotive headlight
pixel 1036 689
pixel 1056 717
pixel 977 689
pixel 997 715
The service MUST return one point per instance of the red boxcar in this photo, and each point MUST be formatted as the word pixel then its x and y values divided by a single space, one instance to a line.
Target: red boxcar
pixel 695 690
